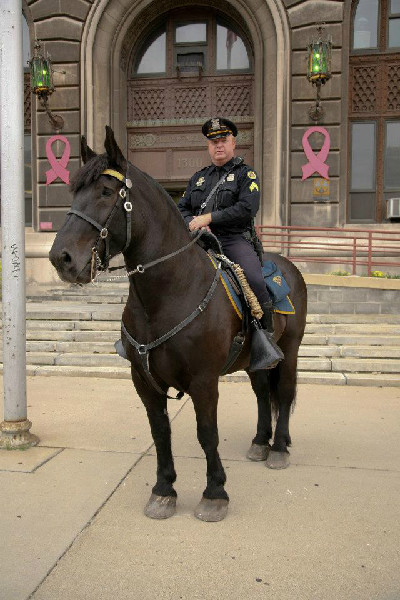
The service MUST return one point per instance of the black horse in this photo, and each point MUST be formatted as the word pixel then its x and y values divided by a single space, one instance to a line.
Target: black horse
pixel 146 226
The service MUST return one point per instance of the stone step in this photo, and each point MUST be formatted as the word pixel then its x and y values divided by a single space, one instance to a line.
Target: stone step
pixel 305 363
pixel 315 339
pixel 76 337
pixel 350 351
pixel 329 378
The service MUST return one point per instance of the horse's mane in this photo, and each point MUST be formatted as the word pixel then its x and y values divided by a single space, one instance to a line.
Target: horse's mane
pixel 89 172
pixel 94 167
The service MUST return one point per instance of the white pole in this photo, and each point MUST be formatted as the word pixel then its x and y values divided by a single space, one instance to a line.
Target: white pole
pixel 14 430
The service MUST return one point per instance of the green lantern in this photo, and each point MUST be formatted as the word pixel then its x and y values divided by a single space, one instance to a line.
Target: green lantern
pixel 319 58
pixel 41 73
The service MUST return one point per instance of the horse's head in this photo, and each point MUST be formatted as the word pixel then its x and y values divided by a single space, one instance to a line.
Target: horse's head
pixel 97 226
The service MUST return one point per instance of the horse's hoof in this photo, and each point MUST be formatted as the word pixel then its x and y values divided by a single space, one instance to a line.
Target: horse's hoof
pixel 211 510
pixel 278 460
pixel 160 507
pixel 258 452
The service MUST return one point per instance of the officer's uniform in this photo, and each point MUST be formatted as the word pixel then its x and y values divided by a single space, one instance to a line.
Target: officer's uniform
pixel 235 205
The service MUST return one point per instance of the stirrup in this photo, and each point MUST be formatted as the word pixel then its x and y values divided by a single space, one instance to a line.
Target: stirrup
pixel 264 352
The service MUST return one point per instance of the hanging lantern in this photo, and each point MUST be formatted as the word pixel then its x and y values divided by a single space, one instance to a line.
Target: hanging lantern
pixel 42 83
pixel 319 58
pixel 319 61
pixel 41 72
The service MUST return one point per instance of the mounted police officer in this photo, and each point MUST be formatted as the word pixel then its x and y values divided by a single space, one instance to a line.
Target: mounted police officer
pixel 224 198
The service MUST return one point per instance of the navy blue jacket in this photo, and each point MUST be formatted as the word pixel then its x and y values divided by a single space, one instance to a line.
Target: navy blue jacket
pixel 235 204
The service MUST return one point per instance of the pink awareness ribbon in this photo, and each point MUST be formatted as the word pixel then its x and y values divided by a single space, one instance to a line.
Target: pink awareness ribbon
pixel 58 166
pixel 316 162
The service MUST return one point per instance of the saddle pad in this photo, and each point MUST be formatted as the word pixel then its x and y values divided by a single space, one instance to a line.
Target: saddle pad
pixel 275 283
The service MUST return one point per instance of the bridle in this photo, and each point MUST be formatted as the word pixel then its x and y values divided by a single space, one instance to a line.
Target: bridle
pixel 97 265
pixel 123 197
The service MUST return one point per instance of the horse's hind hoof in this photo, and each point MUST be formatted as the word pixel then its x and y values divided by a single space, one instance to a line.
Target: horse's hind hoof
pixel 160 507
pixel 278 460
pixel 258 452
pixel 211 510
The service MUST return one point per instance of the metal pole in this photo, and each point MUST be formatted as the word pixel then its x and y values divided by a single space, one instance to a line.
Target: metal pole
pixel 14 430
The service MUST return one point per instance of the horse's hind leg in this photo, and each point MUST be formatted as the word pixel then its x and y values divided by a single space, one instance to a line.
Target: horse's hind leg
pixel 283 394
pixel 259 449
pixel 162 502
pixel 214 503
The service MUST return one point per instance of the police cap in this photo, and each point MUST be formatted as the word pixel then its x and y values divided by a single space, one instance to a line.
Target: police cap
pixel 218 128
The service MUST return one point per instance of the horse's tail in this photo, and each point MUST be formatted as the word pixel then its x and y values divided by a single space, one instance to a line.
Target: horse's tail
pixel 278 394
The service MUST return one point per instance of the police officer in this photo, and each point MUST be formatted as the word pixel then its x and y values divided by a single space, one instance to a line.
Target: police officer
pixel 228 213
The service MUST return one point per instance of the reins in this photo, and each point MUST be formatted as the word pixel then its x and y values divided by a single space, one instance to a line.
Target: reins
pixel 97 265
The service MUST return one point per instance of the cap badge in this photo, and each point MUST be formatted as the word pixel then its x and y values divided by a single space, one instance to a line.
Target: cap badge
pixel 215 124
pixel 200 181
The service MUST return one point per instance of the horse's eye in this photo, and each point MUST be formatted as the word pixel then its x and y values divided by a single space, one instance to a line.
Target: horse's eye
pixel 107 191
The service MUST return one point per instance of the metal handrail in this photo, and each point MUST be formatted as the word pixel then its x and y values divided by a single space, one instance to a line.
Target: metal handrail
pixel 365 247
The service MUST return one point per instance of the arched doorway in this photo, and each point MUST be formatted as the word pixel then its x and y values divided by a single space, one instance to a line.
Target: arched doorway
pixel 189 65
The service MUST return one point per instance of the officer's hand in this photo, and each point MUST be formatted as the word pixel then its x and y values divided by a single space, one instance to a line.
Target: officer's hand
pixel 200 221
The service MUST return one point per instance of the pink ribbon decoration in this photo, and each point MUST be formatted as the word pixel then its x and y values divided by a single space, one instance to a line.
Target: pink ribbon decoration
pixel 316 162
pixel 58 166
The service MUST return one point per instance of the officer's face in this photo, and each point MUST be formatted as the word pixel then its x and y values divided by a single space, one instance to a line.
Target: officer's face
pixel 222 150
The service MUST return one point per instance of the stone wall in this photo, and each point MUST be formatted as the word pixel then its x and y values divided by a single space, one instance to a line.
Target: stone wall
pixel 324 299
pixel 59 25
pixel 303 17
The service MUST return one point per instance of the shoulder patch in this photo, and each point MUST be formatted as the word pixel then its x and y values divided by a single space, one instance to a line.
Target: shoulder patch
pixel 251 175
pixel 254 186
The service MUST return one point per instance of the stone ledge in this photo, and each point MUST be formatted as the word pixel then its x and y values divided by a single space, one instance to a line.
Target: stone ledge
pixel 353 281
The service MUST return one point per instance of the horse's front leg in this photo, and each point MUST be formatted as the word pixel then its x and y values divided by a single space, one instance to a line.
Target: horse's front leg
pixel 214 503
pixel 162 502
pixel 259 449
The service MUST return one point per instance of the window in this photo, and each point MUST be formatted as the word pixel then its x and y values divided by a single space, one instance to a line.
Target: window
pixel 153 58
pixel 366 25
pixel 231 51
pixel 193 47
pixel 374 110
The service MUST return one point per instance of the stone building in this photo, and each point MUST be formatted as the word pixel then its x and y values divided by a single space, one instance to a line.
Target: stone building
pixel 155 71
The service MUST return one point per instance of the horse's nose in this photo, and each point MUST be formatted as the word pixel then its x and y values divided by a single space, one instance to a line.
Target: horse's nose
pixel 60 259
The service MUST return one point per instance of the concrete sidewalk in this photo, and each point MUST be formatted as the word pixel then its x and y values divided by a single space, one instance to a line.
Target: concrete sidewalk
pixel 72 524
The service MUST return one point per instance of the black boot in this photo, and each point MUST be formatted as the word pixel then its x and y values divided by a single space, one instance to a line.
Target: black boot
pixel 264 352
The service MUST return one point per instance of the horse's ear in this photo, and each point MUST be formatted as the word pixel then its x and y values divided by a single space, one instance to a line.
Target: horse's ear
pixel 114 153
pixel 86 152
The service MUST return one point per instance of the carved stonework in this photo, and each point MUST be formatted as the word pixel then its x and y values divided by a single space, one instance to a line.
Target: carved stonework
pixel 179 139
pixel 364 89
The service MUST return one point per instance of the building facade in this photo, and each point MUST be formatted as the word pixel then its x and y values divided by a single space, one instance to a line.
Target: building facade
pixel 155 71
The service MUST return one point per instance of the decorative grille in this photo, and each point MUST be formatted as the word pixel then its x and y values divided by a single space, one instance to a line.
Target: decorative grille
pixel 147 104
pixel 364 89
pixel 233 100
pixel 393 88
pixel 191 102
